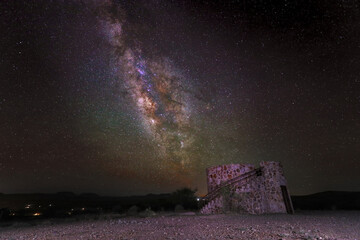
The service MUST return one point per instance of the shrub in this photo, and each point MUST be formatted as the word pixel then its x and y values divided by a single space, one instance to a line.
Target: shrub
pixel 132 211
pixel 179 208
pixel 118 209
pixel 185 197
pixel 147 213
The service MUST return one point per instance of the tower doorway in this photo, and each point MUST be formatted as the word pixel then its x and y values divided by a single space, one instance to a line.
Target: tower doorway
pixel 287 200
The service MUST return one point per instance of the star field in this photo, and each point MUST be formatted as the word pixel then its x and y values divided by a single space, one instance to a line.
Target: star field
pixel 134 97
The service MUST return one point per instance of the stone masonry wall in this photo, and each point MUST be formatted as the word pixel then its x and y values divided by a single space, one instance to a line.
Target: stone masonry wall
pixel 251 195
pixel 223 173
pixel 273 179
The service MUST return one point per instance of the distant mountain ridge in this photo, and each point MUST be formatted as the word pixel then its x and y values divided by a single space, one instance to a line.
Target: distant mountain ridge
pixel 329 200
pixel 70 199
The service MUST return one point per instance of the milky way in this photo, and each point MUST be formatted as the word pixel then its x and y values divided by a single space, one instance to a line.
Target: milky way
pixel 157 91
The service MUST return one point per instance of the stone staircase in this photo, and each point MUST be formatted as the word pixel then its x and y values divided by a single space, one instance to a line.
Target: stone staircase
pixel 213 207
pixel 214 201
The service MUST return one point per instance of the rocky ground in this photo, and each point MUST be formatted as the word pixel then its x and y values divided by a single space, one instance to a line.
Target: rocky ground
pixel 302 225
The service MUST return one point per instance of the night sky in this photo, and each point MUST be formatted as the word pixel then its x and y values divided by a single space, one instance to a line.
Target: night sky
pixel 137 97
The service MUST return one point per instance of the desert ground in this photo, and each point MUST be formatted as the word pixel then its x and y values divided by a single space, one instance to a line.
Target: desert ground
pixel 301 225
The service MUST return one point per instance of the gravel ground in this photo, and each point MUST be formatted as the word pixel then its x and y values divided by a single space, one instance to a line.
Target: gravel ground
pixel 302 225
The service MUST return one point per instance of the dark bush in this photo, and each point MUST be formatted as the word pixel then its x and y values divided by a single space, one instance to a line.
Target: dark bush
pixel 132 211
pixel 4 214
pixel 184 197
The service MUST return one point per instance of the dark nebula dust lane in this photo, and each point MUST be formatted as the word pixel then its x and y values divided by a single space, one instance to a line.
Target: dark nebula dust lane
pixel 134 97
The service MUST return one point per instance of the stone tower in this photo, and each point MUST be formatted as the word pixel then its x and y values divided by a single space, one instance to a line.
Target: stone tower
pixel 244 188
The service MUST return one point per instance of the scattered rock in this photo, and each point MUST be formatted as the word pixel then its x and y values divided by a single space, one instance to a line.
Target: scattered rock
pixel 197 227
